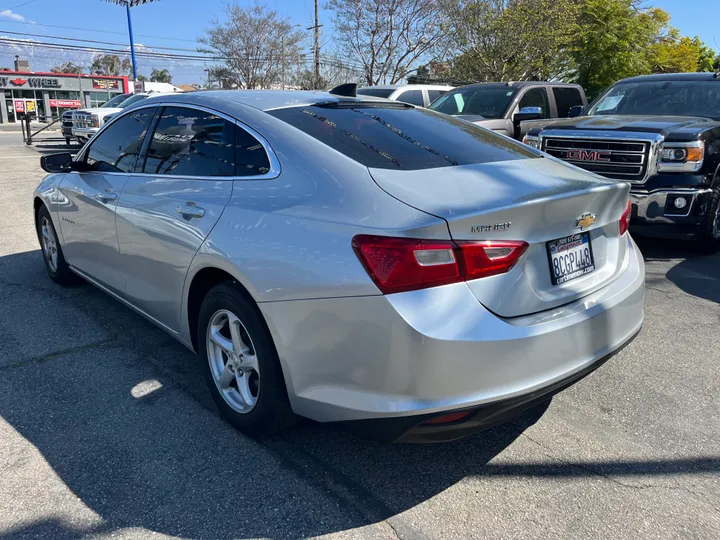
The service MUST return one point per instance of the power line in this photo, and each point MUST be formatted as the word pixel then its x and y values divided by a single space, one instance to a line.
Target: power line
pixel 98 31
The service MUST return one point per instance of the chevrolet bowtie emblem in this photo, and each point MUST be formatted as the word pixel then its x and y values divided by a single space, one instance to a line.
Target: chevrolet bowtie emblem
pixel 584 221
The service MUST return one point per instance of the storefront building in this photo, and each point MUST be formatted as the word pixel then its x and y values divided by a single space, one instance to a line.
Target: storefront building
pixel 47 95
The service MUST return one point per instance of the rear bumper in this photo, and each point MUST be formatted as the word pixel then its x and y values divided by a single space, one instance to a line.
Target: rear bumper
pixel 422 353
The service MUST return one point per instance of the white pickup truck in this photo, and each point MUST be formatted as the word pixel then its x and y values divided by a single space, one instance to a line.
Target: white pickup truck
pixel 87 122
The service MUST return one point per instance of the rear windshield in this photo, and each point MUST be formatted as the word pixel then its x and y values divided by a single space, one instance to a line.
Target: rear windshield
pixel 376 92
pixel 405 138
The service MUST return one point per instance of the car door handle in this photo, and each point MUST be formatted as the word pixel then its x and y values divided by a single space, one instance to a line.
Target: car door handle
pixel 106 196
pixel 188 211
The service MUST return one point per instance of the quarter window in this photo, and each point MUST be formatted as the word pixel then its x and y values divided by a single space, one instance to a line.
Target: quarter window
pixel 536 97
pixel 434 94
pixel 566 97
pixel 188 142
pixel 250 156
pixel 116 149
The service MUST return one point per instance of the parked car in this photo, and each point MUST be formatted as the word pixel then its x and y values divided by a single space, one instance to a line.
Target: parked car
pixel 87 122
pixel 421 95
pixel 348 258
pixel 511 108
pixel 67 123
pixel 660 133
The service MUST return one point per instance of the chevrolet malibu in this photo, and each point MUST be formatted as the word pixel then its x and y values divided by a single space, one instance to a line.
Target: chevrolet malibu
pixel 347 259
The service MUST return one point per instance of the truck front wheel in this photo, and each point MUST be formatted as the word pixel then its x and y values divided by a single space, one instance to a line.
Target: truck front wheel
pixel 708 238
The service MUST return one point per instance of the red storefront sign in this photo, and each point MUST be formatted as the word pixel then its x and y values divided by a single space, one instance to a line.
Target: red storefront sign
pixel 68 103
pixel 19 106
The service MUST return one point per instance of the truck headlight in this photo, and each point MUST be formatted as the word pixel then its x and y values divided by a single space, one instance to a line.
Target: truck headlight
pixel 681 157
pixel 531 141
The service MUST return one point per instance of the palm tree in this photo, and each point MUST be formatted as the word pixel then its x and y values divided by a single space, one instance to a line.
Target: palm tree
pixel 128 4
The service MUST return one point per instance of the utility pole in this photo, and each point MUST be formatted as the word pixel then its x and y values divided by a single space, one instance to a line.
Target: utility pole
pixel 317 45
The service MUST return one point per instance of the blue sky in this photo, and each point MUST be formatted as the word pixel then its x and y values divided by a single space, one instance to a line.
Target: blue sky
pixel 184 20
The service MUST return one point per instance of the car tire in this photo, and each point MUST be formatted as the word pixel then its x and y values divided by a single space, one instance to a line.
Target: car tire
pixel 55 264
pixel 242 370
pixel 708 238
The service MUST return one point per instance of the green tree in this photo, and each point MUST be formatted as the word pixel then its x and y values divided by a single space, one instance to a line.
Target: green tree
pixel 676 54
pixel 67 67
pixel 160 75
pixel 616 39
pixel 502 40
pixel 110 64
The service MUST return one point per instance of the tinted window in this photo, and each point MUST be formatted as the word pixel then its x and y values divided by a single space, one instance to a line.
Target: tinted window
pixel 114 102
pixel 536 97
pixel 489 101
pixel 434 94
pixel 376 92
pixel 393 137
pixel 117 148
pixel 566 98
pixel 188 142
pixel 414 97
pixel 250 155
pixel 131 100
pixel 671 98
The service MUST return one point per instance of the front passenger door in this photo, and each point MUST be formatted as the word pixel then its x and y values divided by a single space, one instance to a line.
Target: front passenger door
pixel 87 221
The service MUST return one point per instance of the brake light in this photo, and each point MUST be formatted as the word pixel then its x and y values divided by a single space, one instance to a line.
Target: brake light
pixel 406 264
pixel 625 219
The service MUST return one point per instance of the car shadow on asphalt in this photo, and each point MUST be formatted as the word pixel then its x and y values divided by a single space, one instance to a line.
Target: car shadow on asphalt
pixel 695 273
pixel 126 423
pixel 53 147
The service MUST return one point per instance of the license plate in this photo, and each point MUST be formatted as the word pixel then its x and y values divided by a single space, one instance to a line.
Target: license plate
pixel 570 257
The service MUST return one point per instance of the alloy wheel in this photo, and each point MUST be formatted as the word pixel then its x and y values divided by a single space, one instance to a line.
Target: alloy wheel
pixel 49 244
pixel 233 363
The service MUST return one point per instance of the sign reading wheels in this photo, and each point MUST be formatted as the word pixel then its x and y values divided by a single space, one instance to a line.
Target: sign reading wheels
pixel 32 82
pixel 106 84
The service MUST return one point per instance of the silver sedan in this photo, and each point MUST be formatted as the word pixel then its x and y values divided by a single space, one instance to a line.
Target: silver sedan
pixel 348 259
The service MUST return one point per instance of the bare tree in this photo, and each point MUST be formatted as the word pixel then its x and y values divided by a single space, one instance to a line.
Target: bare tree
pixel 255 44
pixel 388 37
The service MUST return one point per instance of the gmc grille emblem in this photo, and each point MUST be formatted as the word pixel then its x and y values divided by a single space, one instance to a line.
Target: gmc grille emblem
pixel 588 155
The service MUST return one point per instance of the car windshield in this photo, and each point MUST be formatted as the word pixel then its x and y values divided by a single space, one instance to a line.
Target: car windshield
pixel 487 101
pixel 131 100
pixel 665 98
pixel 376 92
pixel 380 135
pixel 115 101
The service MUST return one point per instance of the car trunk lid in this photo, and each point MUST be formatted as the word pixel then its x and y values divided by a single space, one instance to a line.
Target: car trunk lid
pixel 532 200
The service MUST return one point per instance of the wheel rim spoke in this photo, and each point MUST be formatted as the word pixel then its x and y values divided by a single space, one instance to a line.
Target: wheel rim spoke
pixel 226 377
pixel 236 337
pixel 221 341
pixel 248 362
pixel 243 387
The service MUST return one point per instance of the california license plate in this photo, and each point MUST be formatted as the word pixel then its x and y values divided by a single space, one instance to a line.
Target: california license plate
pixel 570 257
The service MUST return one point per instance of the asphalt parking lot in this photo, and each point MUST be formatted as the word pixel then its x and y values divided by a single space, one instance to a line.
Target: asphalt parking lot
pixel 106 429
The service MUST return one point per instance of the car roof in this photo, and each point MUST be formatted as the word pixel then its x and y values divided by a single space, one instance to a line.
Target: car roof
pixel 406 86
pixel 705 76
pixel 263 100
pixel 517 84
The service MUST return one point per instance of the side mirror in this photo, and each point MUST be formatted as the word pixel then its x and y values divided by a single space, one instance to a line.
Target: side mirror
pixel 57 163
pixel 575 111
pixel 527 113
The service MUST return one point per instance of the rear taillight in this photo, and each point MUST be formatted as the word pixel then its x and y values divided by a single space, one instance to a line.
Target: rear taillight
pixel 406 264
pixel 625 219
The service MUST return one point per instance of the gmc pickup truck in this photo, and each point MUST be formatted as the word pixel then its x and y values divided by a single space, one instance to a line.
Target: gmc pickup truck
pixel 660 133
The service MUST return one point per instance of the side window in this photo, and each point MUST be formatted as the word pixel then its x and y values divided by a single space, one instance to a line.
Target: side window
pixel 116 149
pixel 536 97
pixel 434 94
pixel 413 97
pixel 565 98
pixel 188 142
pixel 250 155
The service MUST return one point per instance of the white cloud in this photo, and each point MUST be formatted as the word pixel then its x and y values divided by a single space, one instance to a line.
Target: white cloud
pixel 8 13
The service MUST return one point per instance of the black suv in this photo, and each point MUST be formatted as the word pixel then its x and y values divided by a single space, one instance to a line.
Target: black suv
pixel 661 133
pixel 511 108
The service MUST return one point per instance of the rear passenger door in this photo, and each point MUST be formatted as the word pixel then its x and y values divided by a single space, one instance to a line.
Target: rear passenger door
pixel 413 97
pixel 183 181
pixel 565 98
